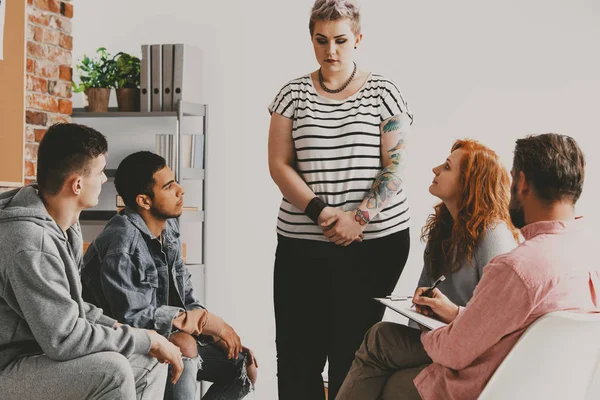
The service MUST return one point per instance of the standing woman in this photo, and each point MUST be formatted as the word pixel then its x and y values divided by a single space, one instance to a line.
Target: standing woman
pixel 337 153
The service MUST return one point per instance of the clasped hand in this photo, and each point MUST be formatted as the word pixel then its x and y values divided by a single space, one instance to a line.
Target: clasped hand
pixel 340 227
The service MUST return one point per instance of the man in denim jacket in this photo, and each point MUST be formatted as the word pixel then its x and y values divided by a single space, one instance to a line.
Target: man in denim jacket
pixel 134 271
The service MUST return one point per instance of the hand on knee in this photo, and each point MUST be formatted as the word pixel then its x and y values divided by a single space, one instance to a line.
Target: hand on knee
pixel 252 373
pixel 186 343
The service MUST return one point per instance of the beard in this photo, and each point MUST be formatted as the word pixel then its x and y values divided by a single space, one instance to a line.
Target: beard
pixel 517 216
pixel 515 208
pixel 163 214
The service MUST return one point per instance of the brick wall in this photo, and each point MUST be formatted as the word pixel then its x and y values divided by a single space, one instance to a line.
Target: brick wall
pixel 48 75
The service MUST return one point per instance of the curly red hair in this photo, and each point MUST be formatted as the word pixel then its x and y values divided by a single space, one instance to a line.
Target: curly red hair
pixel 485 186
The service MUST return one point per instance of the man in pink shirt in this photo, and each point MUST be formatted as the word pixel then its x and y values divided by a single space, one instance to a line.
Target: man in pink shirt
pixel 554 269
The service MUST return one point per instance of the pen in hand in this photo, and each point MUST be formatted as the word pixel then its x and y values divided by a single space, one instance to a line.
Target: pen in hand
pixel 429 291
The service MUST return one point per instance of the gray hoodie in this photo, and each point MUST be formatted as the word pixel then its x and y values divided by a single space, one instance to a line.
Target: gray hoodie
pixel 41 309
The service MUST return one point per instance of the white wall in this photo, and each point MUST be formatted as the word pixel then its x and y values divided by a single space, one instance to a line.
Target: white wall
pixel 494 72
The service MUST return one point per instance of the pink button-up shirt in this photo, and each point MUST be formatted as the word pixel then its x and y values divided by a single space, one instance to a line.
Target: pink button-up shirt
pixel 556 268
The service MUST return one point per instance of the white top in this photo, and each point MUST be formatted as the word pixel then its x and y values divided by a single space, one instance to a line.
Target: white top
pixel 338 152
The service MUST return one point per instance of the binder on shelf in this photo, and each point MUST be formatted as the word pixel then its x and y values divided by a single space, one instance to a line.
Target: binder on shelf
pixel 187 74
pixel 167 77
pixel 156 84
pixel 145 86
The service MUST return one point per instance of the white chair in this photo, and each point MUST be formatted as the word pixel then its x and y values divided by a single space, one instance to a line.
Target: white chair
pixel 558 357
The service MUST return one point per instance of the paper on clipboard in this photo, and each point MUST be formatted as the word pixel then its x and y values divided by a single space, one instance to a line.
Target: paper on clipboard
pixel 403 307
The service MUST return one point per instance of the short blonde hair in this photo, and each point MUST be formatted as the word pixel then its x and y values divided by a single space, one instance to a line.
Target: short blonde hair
pixel 332 10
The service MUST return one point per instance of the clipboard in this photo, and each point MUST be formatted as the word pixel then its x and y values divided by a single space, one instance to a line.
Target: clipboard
pixel 402 306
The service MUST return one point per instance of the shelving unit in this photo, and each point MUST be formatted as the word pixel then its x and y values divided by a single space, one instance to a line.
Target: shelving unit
pixel 128 132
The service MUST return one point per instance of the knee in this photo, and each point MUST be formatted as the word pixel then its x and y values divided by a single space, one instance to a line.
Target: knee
pixel 115 362
pixel 252 372
pixel 186 343
pixel 116 366
pixel 376 336
pixel 245 374
pixel 382 328
pixel 240 370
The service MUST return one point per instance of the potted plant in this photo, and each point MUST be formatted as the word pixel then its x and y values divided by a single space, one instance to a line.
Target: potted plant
pixel 97 77
pixel 127 82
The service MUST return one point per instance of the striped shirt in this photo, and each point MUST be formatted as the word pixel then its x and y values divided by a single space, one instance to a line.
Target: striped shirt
pixel 338 152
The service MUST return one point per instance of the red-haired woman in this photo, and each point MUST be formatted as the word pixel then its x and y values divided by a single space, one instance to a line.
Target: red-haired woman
pixel 466 230
pixel 471 225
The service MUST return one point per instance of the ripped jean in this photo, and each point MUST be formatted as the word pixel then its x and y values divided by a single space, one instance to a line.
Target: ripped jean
pixel 229 377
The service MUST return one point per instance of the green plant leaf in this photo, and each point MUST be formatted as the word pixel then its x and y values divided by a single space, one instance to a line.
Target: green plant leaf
pixel 95 72
pixel 127 71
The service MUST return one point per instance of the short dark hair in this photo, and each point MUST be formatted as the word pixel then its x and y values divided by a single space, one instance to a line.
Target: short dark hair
pixel 554 164
pixel 66 149
pixel 135 176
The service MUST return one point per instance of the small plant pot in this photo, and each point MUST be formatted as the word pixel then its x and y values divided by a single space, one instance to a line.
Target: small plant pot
pixel 128 99
pixel 97 99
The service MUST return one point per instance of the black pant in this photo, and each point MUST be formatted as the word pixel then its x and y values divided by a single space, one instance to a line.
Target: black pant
pixel 323 306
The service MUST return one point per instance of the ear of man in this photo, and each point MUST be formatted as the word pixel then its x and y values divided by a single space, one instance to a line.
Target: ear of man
pixel 143 201
pixel 74 183
pixel 522 184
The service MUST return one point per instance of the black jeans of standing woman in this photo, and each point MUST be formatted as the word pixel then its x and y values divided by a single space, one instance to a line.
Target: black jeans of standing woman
pixel 324 306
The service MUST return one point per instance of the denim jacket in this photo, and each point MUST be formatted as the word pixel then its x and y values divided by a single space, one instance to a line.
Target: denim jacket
pixel 125 272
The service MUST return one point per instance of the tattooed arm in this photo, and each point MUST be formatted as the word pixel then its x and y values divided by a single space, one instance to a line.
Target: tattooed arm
pixel 386 185
pixel 393 156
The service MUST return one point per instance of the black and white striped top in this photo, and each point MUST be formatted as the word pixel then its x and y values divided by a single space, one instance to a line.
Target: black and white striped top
pixel 338 151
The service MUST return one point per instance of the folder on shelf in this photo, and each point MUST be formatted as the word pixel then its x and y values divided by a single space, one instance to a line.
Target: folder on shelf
pixel 177 72
pixel 145 86
pixel 156 84
pixel 187 73
pixel 167 77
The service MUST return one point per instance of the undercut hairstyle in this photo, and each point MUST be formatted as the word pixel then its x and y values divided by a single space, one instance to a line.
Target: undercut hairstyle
pixel 135 176
pixel 66 149
pixel 553 164
pixel 332 10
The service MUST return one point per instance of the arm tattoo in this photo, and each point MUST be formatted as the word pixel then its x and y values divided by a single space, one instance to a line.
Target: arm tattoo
pixel 397 147
pixel 362 217
pixel 385 186
pixel 388 182
pixel 392 125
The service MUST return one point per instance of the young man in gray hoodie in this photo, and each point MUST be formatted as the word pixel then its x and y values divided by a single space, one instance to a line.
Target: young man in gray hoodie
pixel 53 345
